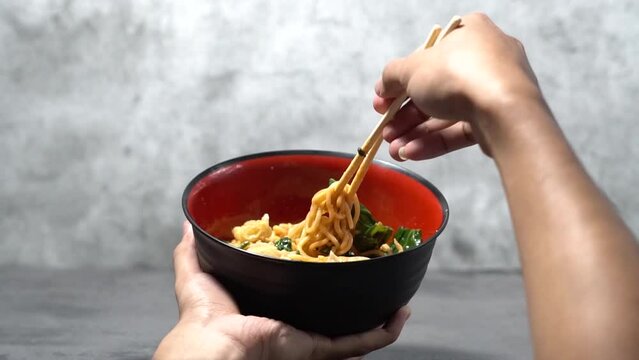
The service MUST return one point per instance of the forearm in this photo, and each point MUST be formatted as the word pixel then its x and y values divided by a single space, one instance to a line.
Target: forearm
pixel 579 260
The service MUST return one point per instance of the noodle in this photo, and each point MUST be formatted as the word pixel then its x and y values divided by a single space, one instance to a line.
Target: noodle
pixel 325 235
pixel 330 213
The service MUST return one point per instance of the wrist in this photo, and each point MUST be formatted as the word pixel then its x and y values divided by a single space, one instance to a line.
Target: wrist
pixel 191 340
pixel 516 122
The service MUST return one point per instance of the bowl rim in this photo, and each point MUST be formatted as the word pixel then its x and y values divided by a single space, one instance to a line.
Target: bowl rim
pixel 425 242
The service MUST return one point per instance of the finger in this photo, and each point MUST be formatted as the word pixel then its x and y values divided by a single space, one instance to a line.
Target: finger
pixel 395 78
pixel 381 105
pixel 198 294
pixel 185 256
pixel 435 124
pixel 420 144
pixel 424 129
pixel 361 344
pixel 408 117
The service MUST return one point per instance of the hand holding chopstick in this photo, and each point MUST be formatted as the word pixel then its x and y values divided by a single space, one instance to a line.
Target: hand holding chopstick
pixel 365 154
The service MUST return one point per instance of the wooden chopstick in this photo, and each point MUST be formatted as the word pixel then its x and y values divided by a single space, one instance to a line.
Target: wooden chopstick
pixel 453 24
pixel 367 151
pixel 364 150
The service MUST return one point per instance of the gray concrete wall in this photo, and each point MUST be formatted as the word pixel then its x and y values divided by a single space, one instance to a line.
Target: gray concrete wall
pixel 108 108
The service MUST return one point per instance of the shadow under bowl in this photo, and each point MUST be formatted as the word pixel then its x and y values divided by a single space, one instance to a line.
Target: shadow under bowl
pixel 332 299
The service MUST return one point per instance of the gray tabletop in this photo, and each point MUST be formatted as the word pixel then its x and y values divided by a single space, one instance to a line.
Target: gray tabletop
pixel 122 314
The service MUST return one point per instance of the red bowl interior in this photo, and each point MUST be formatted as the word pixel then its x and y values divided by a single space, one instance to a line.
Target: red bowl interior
pixel 282 184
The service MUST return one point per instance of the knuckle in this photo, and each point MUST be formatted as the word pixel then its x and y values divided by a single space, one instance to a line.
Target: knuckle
pixel 390 69
pixel 393 337
pixel 517 42
pixel 280 332
pixel 479 16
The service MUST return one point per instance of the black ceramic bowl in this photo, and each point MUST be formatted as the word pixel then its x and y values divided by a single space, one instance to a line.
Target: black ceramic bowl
pixel 331 299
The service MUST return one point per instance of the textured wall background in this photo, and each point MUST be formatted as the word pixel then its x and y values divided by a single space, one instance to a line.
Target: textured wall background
pixel 109 108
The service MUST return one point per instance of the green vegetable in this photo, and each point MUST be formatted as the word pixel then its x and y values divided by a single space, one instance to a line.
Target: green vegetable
pixel 284 244
pixel 407 238
pixel 369 233
pixel 244 245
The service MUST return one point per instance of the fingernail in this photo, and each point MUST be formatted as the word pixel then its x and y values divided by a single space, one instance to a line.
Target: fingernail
pixel 378 88
pixel 402 153
pixel 185 227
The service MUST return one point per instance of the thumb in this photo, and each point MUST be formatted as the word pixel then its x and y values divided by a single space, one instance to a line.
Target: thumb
pixel 186 227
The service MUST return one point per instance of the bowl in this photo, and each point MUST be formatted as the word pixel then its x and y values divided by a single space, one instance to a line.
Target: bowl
pixel 332 299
